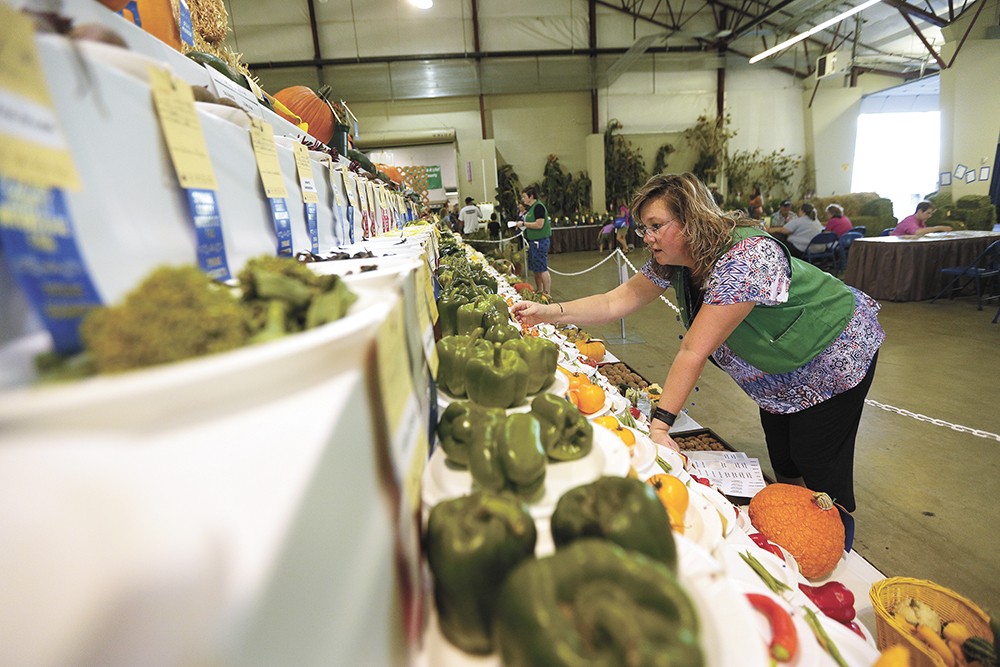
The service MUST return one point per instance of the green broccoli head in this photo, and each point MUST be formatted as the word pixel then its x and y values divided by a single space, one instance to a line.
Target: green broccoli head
pixel 270 266
pixel 175 313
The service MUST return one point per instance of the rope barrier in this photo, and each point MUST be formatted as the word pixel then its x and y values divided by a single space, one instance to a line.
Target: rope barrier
pixel 635 270
pixel 931 420
pixel 580 273
pixel 506 240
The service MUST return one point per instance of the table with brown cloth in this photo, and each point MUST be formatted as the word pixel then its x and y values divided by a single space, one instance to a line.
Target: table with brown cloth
pixel 573 239
pixel 894 268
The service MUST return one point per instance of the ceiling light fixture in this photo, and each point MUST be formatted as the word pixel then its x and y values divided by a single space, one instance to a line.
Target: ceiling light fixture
pixel 812 31
pixel 422 4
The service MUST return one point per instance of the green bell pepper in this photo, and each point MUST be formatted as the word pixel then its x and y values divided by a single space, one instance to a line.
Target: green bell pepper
pixel 465 426
pixel 472 543
pixel 595 604
pixel 454 353
pixel 448 304
pixel 513 460
pixel 541 355
pixel 566 433
pixel 501 333
pixel 625 511
pixel 500 382
pixel 469 317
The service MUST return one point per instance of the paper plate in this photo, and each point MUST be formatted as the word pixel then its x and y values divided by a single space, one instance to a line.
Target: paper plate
pixel 737 568
pixel 727 634
pixel 609 456
pixel 702 524
pixel 726 510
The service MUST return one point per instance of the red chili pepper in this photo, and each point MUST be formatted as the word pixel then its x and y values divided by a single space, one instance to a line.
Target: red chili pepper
pixel 764 544
pixel 853 625
pixel 784 638
pixel 702 480
pixel 833 599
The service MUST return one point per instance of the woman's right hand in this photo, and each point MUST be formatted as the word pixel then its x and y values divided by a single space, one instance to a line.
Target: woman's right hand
pixel 530 313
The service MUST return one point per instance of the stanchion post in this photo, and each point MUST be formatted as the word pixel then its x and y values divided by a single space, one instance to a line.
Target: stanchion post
pixel 621 281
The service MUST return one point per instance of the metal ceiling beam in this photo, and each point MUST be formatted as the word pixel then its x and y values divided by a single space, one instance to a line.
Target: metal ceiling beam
pixel 923 40
pixel 922 14
pixel 314 29
pixel 762 18
pixel 485 55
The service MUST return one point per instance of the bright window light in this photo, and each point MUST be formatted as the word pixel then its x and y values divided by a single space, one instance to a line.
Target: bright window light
pixel 422 4
pixel 897 155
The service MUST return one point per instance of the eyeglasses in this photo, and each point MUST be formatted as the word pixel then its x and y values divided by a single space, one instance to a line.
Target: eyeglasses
pixel 642 230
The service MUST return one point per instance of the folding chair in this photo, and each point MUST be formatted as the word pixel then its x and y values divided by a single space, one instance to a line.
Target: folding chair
pixel 845 247
pixel 887 231
pixel 822 247
pixel 860 228
pixel 983 268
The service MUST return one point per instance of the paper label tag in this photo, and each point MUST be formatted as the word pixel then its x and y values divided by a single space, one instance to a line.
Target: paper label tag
pixel 208 233
pixel 34 147
pixel 266 153
pixel 36 236
pixel 174 103
pixel 282 226
pixel 336 184
pixel 351 188
pixel 312 226
pixel 307 182
pixel 230 90
pixel 428 291
pixel 395 381
pixel 425 320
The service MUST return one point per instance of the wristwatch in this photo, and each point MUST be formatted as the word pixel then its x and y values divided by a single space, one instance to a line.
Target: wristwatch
pixel 664 416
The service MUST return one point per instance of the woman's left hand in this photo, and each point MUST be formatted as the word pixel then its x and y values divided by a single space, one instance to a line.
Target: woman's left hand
pixel 659 435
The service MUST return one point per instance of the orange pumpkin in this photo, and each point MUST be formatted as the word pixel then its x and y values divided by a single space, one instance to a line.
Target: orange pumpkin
pixel 804 522
pixel 576 380
pixel 159 19
pixel 312 107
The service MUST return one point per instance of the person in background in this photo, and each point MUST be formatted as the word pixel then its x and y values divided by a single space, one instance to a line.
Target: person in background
pixel 470 216
pixel 916 225
pixel 606 238
pixel 538 234
pixel 622 227
pixel 782 216
pixel 799 231
pixel 494 227
pixel 756 204
pixel 837 222
pixel 738 290
pixel 445 217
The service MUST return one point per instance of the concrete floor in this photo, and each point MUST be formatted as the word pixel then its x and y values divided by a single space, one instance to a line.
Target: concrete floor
pixel 926 493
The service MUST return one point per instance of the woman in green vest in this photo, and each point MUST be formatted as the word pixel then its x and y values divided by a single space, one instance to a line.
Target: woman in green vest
pixel 800 342
pixel 537 233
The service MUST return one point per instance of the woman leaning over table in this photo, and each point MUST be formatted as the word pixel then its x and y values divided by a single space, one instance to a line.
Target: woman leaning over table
pixel 801 343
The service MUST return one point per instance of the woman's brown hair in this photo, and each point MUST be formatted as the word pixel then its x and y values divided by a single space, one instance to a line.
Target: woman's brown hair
pixel 706 227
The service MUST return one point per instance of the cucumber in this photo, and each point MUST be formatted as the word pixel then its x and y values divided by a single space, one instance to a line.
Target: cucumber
pixel 978 649
pixel 220 66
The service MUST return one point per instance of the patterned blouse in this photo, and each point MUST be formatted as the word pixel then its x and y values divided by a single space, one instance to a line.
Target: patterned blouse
pixel 756 269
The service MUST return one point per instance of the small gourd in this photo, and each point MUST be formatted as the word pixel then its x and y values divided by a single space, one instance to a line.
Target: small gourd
pixel 805 523
pixel 593 349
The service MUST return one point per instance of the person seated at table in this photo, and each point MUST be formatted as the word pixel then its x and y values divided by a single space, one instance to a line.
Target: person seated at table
pixel 799 231
pixel 606 238
pixel 782 216
pixel 915 225
pixel 837 222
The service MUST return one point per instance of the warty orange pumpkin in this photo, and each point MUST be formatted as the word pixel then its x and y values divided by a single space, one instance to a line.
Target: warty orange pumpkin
pixel 312 107
pixel 804 522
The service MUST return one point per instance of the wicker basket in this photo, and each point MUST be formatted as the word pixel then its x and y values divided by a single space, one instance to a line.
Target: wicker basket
pixel 949 605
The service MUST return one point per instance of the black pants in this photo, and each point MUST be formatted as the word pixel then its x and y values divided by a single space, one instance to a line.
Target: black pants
pixel 817 444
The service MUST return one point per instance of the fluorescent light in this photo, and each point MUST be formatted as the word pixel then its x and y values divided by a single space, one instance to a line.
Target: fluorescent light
pixel 812 31
pixel 422 4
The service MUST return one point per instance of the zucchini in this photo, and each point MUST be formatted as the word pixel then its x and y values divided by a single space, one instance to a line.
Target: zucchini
pixel 220 66
pixel 363 160
pixel 977 649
